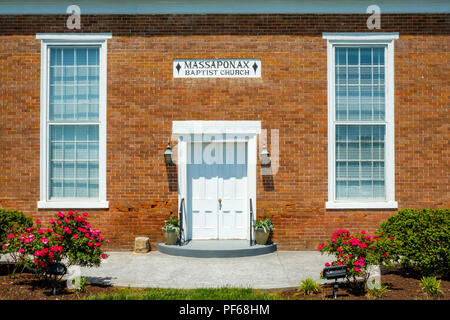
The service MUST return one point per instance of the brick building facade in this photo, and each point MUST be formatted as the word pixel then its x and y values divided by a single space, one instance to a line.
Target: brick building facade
pixel 291 96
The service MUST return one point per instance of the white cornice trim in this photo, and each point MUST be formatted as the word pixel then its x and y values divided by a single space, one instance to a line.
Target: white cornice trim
pixel 216 127
pixel 379 36
pixel 74 36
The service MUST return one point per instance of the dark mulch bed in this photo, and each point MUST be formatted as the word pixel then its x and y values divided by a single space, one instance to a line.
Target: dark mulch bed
pixel 401 286
pixel 24 286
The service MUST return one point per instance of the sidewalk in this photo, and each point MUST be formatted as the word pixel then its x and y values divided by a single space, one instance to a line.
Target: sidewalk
pixel 281 269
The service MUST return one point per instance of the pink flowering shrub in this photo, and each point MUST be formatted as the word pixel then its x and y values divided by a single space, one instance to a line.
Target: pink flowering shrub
pixel 69 239
pixel 359 251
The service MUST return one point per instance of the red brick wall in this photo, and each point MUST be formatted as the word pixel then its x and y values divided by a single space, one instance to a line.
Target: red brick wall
pixel 291 96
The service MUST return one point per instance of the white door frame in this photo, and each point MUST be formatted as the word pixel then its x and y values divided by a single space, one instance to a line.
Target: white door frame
pixel 189 131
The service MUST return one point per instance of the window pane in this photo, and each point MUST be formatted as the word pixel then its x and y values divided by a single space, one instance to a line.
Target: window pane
pixel 73 161
pixel 93 189
pixel 56 151
pixel 353 56
pixel 68 56
pixel 56 189
pixel 378 170
pixel 341 102
pixel 353 169
pixel 56 169
pixel 366 169
pixel 353 189
pixel 366 189
pixel 341 151
pixel 93 57
pixel 360 77
pixel 56 57
pixel 69 170
pixel 341 169
pixel 69 188
pixel 69 75
pixel 341 56
pixel 378 189
pixel 93 170
pixel 81 189
pixel 82 151
pixel 81 54
pixel 362 177
pixel 69 151
pixel 74 83
pixel 341 190
pixel 82 172
pixel 366 56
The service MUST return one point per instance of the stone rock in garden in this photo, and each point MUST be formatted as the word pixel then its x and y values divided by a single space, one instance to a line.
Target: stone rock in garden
pixel 374 280
pixel 73 277
pixel 141 245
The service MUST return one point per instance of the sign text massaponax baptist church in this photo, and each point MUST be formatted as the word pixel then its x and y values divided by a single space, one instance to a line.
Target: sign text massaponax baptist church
pixel 217 68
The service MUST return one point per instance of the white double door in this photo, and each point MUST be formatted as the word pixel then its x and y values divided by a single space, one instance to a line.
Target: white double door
pixel 217 191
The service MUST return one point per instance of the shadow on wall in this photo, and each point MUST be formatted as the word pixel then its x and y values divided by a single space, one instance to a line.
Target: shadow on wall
pixel 172 177
pixel 267 178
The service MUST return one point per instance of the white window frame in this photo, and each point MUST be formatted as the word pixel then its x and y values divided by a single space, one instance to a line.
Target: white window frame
pixel 72 39
pixel 362 39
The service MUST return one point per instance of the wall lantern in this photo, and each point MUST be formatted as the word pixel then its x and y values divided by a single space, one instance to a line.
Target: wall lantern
pixel 264 156
pixel 168 154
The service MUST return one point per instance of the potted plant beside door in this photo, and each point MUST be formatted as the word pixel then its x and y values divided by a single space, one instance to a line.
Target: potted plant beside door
pixel 262 230
pixel 171 229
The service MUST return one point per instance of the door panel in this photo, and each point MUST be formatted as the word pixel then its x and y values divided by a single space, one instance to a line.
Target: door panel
pixel 207 183
pixel 203 202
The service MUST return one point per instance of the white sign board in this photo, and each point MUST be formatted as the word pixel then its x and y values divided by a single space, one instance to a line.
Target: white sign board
pixel 217 68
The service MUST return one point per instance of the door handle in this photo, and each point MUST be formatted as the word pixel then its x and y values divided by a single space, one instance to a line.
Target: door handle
pixel 220 204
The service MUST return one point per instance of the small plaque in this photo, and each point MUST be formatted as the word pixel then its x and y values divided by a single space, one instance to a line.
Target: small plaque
pixel 217 68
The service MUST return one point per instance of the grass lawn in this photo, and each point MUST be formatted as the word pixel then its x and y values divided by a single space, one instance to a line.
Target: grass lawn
pixel 25 286
pixel 224 293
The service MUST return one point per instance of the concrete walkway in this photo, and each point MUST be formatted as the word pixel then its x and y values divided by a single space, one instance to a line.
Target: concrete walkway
pixel 281 269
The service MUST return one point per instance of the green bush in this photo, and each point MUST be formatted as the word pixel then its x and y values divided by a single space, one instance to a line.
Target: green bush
pixel 12 221
pixel 431 286
pixel 377 293
pixel 308 287
pixel 425 237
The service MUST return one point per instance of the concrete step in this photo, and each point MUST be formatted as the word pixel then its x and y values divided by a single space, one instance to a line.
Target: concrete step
pixel 217 249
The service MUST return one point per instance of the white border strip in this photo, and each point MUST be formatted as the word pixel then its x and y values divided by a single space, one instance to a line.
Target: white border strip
pixel 362 205
pixel 224 6
pixel 73 204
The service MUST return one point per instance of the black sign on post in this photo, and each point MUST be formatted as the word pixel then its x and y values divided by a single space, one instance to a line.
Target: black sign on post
pixel 335 273
pixel 56 269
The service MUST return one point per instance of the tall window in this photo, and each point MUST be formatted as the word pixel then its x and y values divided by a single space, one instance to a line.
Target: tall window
pixel 73 102
pixel 73 128
pixel 360 99
pixel 361 161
